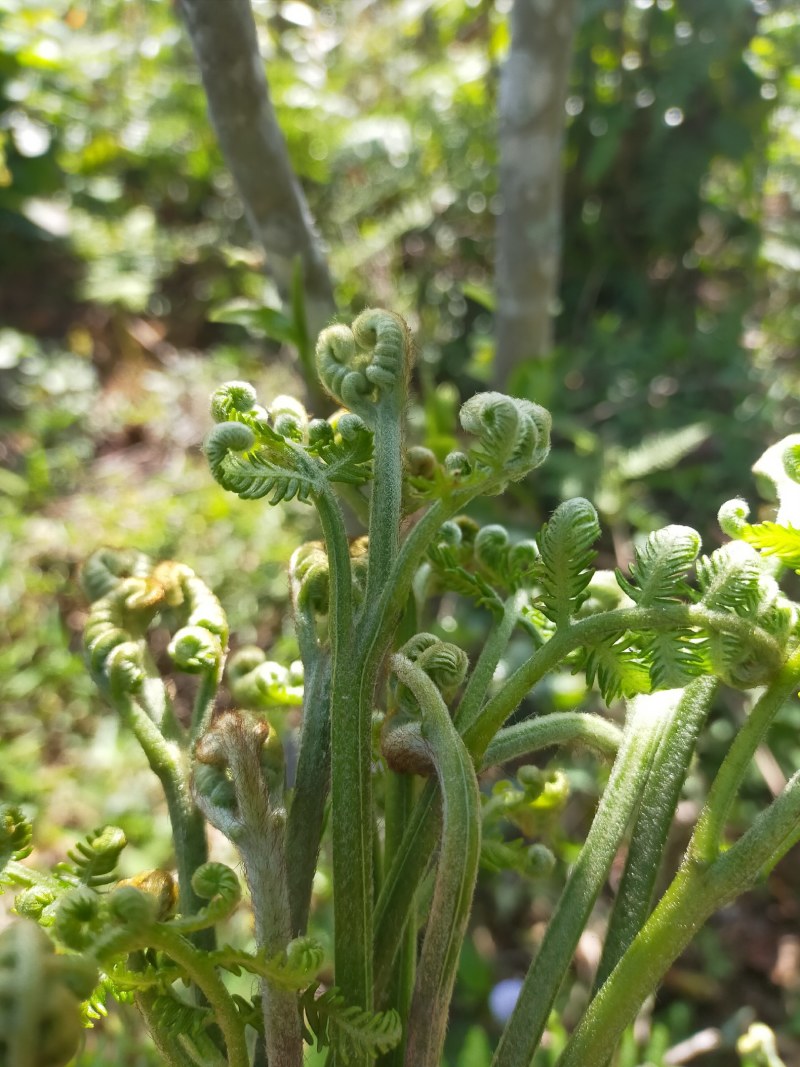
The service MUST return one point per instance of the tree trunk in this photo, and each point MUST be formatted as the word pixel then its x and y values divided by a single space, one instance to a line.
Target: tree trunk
pixel 533 86
pixel 223 35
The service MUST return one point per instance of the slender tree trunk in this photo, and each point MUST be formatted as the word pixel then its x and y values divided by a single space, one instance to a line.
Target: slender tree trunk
pixel 223 35
pixel 533 86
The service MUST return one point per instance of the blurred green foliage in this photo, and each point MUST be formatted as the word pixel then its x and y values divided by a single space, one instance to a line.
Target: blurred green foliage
pixel 122 242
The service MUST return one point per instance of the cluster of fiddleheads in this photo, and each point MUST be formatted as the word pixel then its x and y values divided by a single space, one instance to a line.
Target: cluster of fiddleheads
pixel 662 636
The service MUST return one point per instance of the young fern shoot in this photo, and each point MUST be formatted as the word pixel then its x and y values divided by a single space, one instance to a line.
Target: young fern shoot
pixel 397 727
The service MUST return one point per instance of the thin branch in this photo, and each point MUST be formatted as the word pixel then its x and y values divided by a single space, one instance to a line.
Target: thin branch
pixel 224 40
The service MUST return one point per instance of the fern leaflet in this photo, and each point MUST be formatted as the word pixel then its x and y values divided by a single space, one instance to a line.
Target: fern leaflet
pixel 352 1032
pixel 660 567
pixel 617 668
pixel 772 539
pixel 565 569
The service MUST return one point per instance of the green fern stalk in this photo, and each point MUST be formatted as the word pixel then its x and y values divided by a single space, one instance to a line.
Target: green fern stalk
pixel 643 731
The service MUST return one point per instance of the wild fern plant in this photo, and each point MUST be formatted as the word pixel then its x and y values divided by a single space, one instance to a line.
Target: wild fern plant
pixel 397 727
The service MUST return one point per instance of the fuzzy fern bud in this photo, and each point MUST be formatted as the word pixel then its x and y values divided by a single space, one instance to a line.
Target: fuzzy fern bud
pixel 76 918
pixel 160 886
pixel 289 418
pixel 194 649
pixel 732 517
pixel 231 399
pixel 106 568
pixel 310 576
pixel 513 434
pixel 358 365
pixel 133 907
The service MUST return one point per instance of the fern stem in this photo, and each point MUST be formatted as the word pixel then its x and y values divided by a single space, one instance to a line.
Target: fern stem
pixel 456 871
pixel 526 1025
pixel 707 838
pixel 205 977
pixel 351 792
pixel 204 700
pixel 634 898
pixel 399 806
pixel 697 891
pixel 559 728
pixel 387 489
pixel 312 782
pixel 188 827
pixel 593 629
pixel 482 674
pixel 395 902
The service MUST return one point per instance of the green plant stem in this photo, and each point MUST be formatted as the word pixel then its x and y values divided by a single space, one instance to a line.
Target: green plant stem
pixel 399 805
pixel 483 672
pixel 697 891
pixel 708 835
pixel 456 872
pixel 395 902
pixel 643 731
pixel 204 701
pixel 351 792
pixel 595 628
pixel 307 810
pixel 167 761
pixel 411 860
pixel 260 840
pixel 634 898
pixel 387 491
pixel 204 976
pixel 558 728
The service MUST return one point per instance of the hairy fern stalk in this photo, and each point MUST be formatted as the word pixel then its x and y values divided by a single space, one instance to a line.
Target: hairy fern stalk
pixel 397 727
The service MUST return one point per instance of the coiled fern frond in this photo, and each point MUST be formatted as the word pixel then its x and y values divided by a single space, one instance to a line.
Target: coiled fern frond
pixel 104 569
pixel 94 859
pixel 263 684
pixel 16 834
pixel 359 364
pixel 513 435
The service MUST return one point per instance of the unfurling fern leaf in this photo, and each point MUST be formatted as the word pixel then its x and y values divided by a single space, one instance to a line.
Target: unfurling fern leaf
pixel 94 859
pixel 565 570
pixel 350 1031
pixel 345 448
pixel 176 1017
pixel 513 434
pixel 16 834
pixel 455 577
pixel 254 469
pixel 729 579
pixel 618 668
pixel 658 573
pixel 772 539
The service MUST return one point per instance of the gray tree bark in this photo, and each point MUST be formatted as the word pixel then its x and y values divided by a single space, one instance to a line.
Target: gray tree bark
pixel 223 35
pixel 533 87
